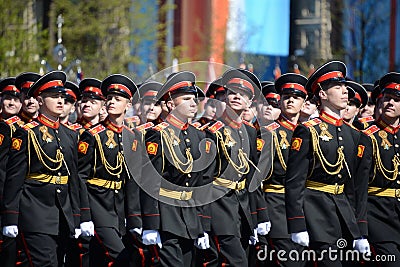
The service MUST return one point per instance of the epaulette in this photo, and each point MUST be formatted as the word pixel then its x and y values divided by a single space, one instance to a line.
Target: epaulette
pixel 202 128
pixel 76 126
pixel 30 125
pixel 133 119
pixel 366 119
pixel 161 126
pixel 371 130
pixel 351 125
pixel 249 124
pixel 12 120
pixel 97 129
pixel 216 126
pixel 272 126
pixel 196 124
pixel 145 126
pixel 312 122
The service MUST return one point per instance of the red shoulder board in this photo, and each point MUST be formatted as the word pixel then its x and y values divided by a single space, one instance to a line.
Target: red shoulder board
pixel 12 120
pixel 202 128
pixel 161 126
pixel 248 123
pixel 371 130
pixel 76 126
pixel 273 126
pixel 216 126
pixel 312 122
pixel 97 129
pixel 30 125
pixel 196 124
pixel 145 126
pixel 366 119
pixel 134 119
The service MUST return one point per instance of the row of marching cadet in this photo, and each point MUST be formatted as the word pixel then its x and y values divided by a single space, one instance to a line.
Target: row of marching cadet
pixel 268 170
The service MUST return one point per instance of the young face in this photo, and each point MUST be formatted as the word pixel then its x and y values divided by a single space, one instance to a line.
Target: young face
pixel 69 108
pixel 249 114
pixel 210 110
pixel 350 111
pixel 291 104
pixel 367 111
pixel 237 101
pixel 51 104
pixel 391 106
pixel 117 105
pixel 10 105
pixel 269 111
pixel 308 108
pixel 30 105
pixel 150 111
pixel 335 96
pixel 184 106
pixel 90 107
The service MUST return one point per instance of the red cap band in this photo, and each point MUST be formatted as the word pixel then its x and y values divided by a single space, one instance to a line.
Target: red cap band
pixel 10 88
pixel 242 83
pixel 179 85
pixel 394 86
pixel 326 76
pixel 273 95
pixel 27 85
pixel 55 83
pixel 294 86
pixel 121 87
pixel 150 93
pixel 71 93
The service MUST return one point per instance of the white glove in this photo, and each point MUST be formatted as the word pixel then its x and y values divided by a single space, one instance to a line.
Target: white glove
pixel 362 246
pixel 263 228
pixel 301 238
pixel 87 228
pixel 202 242
pixel 254 238
pixel 151 237
pixel 10 231
pixel 78 232
pixel 137 231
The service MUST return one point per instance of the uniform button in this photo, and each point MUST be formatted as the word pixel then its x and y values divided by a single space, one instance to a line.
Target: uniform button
pixel 339 129
pixel 185 132
pixel 240 131
pixel 396 145
pixel 59 173
pixel 122 152
pixel 116 191
pixel 340 138
pixel 341 147
pixel 56 131
pixel 187 140
pixel 189 175
pixel 395 137
pixel 398 154
pixel 61 147
pixel 120 135
pixel 58 190
pixel 398 181
pixel 58 139
pixel 339 175
pixel 187 184
pixel 239 175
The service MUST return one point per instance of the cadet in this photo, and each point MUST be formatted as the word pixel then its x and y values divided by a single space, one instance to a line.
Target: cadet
pixel 291 88
pixel 150 108
pixel 366 114
pixel 174 214
pixel 109 162
pixel 384 186
pixel 269 109
pixel 356 103
pixel 41 202
pixel 236 159
pixel 30 106
pixel 92 101
pixel 322 159
pixel 72 94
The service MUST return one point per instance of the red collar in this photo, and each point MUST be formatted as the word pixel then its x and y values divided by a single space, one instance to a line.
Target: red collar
pixel 228 121
pixel 174 121
pixel 48 122
pixel 112 126
pixel 286 123
pixel 25 116
pixel 386 127
pixel 85 123
pixel 330 119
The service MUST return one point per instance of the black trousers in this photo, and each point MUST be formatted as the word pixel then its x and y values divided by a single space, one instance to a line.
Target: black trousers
pixel 176 251
pixel 78 252
pixel 107 249
pixel 227 250
pixel 141 255
pixel 8 251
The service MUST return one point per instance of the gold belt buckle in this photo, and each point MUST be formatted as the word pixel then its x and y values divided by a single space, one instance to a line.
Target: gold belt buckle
pixel 58 179
pixel 337 189
pixel 239 186
pixel 185 195
pixel 397 193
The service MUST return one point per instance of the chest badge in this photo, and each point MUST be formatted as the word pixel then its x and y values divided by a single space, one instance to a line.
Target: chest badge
pixel 385 142
pixel 110 143
pixel 284 144
pixel 325 135
pixel 229 141
pixel 46 136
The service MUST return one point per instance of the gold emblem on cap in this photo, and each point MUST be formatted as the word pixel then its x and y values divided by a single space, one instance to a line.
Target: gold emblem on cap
pixel 339 74
pixel 396 87
pixel 292 86
pixel 241 82
pixel 90 88
pixel 59 83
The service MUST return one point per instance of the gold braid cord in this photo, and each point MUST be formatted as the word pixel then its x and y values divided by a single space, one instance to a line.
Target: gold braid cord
pixel 40 153
pixel 379 164
pixel 243 167
pixel 324 162
pixel 184 167
pixel 114 171
pixel 278 150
